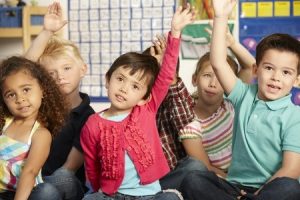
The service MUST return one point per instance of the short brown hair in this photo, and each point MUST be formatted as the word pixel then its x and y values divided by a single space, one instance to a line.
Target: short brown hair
pixel 280 42
pixel 137 62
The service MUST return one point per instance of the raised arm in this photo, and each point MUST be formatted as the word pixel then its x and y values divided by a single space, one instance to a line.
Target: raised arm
pixel 53 22
pixel 226 76
pixel 244 57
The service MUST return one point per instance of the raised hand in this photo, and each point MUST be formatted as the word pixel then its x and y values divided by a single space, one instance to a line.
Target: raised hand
pixel 223 8
pixel 181 18
pixel 229 37
pixel 158 50
pixel 53 19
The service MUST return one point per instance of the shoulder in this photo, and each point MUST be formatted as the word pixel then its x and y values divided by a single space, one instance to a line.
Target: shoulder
pixel 42 135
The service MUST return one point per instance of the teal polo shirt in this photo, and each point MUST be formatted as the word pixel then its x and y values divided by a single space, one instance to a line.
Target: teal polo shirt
pixel 262 131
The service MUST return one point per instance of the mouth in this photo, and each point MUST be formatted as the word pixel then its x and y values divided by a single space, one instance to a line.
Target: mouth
pixel 210 93
pixel 24 108
pixel 120 98
pixel 273 88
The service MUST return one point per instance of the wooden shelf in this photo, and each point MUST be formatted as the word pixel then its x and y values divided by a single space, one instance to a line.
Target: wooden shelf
pixel 27 30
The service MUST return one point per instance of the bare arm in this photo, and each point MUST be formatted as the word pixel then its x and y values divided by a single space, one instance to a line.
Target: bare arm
pixel 244 57
pixel 53 22
pixel 218 54
pixel 194 148
pixel 74 160
pixel 290 167
pixel 39 150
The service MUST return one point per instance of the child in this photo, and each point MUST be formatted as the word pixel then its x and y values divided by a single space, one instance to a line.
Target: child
pixel 175 111
pixel 208 137
pixel 32 110
pixel 266 143
pixel 61 58
pixel 123 155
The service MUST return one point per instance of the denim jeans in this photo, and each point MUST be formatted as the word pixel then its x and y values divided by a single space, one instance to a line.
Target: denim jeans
pixel 67 186
pixel 174 178
pixel 43 191
pixel 208 186
pixel 159 196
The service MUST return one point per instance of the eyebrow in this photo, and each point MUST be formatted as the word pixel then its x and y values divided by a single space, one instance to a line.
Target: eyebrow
pixel 22 86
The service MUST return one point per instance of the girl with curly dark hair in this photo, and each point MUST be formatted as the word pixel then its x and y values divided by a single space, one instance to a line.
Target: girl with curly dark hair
pixel 32 111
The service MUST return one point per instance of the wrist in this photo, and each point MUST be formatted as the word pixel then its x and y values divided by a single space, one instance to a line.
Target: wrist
pixel 47 32
pixel 175 33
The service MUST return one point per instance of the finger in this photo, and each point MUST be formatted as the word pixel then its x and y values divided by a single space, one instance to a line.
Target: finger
pixel 152 51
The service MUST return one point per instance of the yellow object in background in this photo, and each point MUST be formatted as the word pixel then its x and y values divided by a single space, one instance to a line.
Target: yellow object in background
pixel 248 9
pixel 282 9
pixel 265 9
pixel 296 8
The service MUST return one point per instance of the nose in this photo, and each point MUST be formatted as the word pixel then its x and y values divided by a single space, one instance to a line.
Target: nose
pixel 213 82
pixel 275 76
pixel 20 99
pixel 123 88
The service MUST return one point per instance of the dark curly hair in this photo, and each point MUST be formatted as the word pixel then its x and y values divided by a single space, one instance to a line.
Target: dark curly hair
pixel 53 110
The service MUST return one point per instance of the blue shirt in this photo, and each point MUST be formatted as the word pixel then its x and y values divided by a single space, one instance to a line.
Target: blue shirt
pixel 262 131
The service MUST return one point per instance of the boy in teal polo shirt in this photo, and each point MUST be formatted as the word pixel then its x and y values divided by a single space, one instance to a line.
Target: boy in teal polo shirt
pixel 266 141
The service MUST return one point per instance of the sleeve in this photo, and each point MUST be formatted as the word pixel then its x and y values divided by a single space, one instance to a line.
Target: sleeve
pixel 291 136
pixel 191 131
pixel 92 166
pixel 166 73
pixel 181 106
pixel 238 93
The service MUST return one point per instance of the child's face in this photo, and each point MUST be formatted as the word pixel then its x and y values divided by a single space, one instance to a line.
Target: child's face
pixel 276 74
pixel 22 94
pixel 67 72
pixel 209 89
pixel 126 91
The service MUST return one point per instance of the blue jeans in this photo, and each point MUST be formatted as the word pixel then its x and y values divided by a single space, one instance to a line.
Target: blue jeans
pixel 44 191
pixel 208 186
pixel 68 187
pixel 118 196
pixel 174 178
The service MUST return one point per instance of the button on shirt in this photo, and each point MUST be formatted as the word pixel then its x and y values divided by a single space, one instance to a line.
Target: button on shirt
pixel 262 131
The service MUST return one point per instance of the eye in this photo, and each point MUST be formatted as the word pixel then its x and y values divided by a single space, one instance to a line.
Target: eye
pixel 268 68
pixel 120 79
pixel 67 67
pixel 207 75
pixel 136 87
pixel 26 90
pixel 10 96
pixel 286 72
pixel 52 74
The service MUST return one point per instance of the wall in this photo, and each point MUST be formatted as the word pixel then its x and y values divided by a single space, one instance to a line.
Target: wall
pixel 10 47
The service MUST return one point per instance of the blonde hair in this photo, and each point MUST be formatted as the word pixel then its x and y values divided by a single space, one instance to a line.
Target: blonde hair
pixel 206 58
pixel 58 47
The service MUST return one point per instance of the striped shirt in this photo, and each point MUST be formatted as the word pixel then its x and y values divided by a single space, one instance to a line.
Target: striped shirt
pixel 215 133
pixel 13 155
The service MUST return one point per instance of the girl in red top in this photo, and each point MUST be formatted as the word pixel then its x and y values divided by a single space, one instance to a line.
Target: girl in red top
pixel 122 150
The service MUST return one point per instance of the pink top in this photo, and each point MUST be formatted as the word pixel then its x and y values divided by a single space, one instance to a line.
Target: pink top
pixel 104 142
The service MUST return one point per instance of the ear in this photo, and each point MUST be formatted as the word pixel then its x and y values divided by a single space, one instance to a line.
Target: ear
pixel 254 70
pixel 144 101
pixel 106 82
pixel 194 80
pixel 83 70
pixel 297 82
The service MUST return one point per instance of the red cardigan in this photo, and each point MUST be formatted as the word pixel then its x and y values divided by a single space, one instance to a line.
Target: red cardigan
pixel 104 142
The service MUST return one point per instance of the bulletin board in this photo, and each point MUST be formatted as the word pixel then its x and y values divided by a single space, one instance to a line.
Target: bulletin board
pixel 105 29
pixel 258 19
